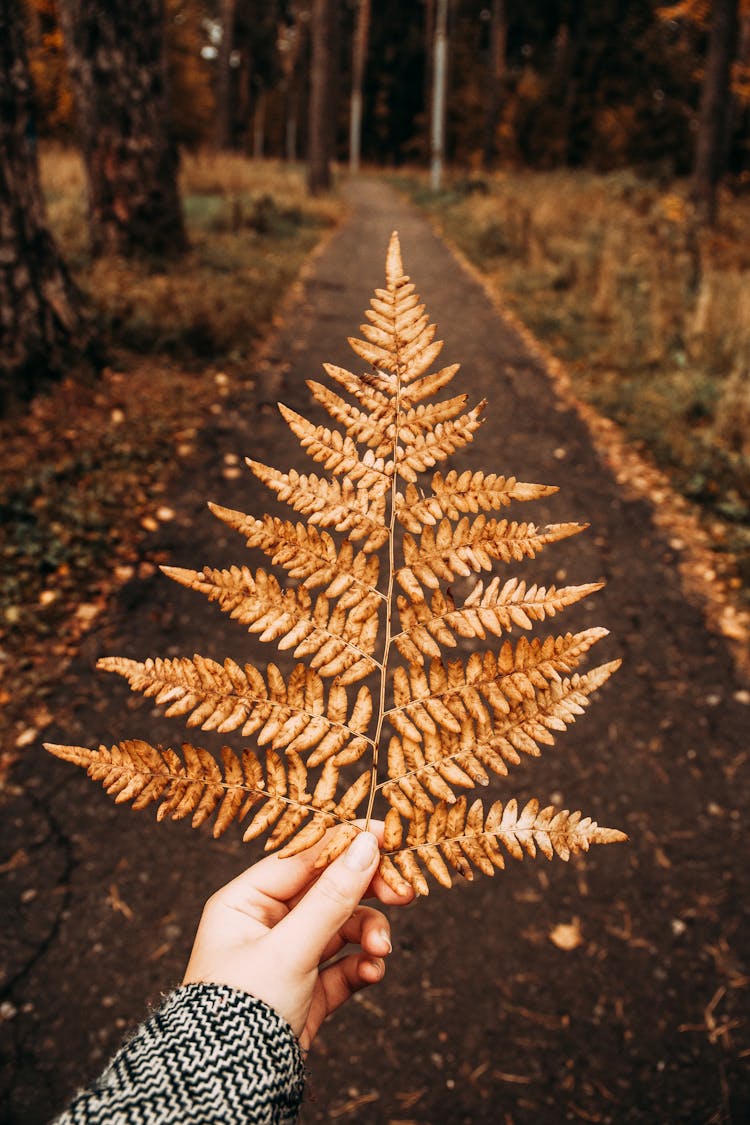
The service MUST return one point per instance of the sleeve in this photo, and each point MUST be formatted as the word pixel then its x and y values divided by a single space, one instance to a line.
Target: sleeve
pixel 210 1055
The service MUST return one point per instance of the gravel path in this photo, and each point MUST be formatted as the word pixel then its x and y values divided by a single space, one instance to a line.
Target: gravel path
pixel 482 1017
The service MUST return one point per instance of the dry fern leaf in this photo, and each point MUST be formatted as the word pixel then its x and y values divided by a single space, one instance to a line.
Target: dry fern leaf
pixel 366 594
pixel 452 837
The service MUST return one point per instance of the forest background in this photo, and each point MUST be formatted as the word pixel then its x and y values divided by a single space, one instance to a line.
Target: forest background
pixel 591 159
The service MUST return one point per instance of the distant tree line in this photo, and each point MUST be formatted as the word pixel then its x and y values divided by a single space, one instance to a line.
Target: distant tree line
pixel 544 83
pixel 539 83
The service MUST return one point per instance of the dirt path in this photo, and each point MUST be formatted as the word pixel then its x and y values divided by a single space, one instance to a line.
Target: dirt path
pixel 482 1017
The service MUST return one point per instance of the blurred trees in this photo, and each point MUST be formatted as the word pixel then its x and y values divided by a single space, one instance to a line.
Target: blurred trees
pixel 323 74
pixel 117 65
pixel 715 107
pixel 42 327
pixel 595 83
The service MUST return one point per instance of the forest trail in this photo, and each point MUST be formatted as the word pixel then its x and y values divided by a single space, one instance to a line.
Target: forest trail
pixel 613 989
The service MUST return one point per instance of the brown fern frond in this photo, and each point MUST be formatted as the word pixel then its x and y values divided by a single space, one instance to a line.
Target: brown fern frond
pixel 339 454
pixel 338 641
pixel 437 444
pixel 453 496
pixel 471 546
pixel 426 629
pixel 432 767
pixel 486 686
pixel 428 727
pixel 195 785
pixel 308 555
pixel 292 714
pixel 331 503
pixel 452 837
pixel 388 421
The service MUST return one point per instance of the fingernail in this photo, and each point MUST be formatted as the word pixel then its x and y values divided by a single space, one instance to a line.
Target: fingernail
pixel 385 937
pixel 361 852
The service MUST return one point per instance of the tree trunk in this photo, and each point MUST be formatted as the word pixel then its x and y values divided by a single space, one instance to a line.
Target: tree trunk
pixel 710 148
pixel 259 124
pixel 359 56
pixel 439 69
pixel 291 49
pixel 495 74
pixel 42 327
pixel 223 134
pixel 116 60
pixel 319 132
pixel 429 50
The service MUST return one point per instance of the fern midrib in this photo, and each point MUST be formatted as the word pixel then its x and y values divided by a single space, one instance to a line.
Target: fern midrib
pixel 228 788
pixel 391 577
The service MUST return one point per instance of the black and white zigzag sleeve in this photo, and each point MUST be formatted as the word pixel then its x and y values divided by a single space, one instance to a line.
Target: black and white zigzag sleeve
pixel 210 1055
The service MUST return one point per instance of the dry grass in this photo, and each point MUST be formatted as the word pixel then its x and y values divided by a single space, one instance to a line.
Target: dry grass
pixel 650 315
pixel 250 225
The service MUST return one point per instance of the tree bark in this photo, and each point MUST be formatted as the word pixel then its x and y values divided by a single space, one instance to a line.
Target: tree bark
pixel 359 57
pixel 715 105
pixel 495 73
pixel 42 326
pixel 319 131
pixel 117 66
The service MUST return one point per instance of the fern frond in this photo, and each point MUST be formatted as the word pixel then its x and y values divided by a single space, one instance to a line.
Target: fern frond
pixel 453 496
pixel 339 454
pixel 195 785
pixel 437 444
pixel 486 686
pixel 494 610
pixel 308 555
pixel 431 768
pixel 443 725
pixel 378 427
pixel 452 837
pixel 290 714
pixel 331 503
pixel 339 641
pixel 445 551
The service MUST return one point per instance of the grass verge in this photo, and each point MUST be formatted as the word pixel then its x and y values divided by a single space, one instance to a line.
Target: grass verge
pixel 649 314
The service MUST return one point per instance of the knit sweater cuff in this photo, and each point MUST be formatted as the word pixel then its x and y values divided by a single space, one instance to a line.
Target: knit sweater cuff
pixel 210 1055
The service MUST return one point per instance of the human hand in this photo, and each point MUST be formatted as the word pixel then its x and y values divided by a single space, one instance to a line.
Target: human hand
pixel 271 932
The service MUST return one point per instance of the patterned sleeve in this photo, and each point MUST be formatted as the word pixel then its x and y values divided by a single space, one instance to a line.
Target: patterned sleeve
pixel 210 1055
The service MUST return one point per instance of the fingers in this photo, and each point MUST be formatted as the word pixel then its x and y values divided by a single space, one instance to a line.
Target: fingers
pixel 338 983
pixel 368 928
pixel 305 933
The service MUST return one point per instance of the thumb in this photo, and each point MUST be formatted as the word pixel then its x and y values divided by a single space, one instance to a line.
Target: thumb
pixel 309 927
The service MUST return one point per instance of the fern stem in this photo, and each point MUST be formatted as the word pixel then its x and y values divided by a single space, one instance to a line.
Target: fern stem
pixel 389 592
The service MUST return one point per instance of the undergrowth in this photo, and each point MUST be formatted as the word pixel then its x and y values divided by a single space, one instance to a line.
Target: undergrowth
pixel 75 514
pixel 250 224
pixel 650 315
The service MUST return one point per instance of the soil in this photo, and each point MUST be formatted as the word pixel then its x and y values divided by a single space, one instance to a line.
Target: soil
pixel 611 989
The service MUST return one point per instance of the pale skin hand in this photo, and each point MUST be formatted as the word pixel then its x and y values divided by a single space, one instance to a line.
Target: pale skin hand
pixel 271 932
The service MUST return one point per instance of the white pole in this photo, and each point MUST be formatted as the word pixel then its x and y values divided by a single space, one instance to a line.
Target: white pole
pixel 438 95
